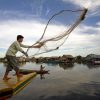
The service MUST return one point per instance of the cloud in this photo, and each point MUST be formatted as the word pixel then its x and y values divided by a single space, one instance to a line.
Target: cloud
pixel 82 39
pixel 92 5
pixel 82 42
pixel 13 15
pixel 37 7
pixel 98 24
pixel 25 10
pixel 30 29
pixel 47 11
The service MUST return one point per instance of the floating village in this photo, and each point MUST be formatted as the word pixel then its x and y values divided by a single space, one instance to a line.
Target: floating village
pixel 65 59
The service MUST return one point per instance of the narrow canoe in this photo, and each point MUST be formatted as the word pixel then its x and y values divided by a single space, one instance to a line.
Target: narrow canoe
pixel 14 85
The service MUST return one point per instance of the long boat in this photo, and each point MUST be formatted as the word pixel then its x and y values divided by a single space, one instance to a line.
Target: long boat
pixel 14 85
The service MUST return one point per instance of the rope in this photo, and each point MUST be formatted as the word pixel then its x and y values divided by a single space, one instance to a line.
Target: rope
pixel 44 52
pixel 53 39
pixel 59 37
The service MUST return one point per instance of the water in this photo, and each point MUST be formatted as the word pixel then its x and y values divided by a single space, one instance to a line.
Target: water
pixel 65 82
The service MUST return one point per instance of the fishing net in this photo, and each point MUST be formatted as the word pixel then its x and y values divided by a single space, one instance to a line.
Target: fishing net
pixel 57 30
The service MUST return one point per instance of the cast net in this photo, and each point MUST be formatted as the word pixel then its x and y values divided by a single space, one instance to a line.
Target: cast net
pixel 57 31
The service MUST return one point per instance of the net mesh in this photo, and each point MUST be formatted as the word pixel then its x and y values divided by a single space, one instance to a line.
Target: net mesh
pixel 57 30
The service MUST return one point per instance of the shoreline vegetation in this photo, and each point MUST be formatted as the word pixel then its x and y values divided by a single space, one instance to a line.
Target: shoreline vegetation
pixel 65 59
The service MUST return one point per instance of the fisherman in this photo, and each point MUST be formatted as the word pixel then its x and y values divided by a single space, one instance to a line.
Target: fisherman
pixel 41 68
pixel 11 56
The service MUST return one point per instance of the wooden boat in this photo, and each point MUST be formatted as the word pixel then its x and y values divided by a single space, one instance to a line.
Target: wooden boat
pixel 41 71
pixel 32 71
pixel 14 85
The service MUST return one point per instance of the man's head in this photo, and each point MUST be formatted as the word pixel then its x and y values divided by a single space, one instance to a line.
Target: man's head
pixel 20 38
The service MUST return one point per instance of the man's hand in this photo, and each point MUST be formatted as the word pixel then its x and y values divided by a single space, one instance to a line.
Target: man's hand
pixel 37 46
pixel 25 54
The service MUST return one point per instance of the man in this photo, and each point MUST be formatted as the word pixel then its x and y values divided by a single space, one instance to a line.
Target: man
pixel 11 56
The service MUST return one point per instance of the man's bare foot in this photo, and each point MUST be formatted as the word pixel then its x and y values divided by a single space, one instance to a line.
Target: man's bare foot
pixel 6 78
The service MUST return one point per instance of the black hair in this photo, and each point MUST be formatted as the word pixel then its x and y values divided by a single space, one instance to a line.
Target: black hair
pixel 19 37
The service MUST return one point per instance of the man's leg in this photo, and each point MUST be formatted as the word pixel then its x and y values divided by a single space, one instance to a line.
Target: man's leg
pixel 16 68
pixel 13 64
pixel 8 69
pixel 6 75
pixel 18 74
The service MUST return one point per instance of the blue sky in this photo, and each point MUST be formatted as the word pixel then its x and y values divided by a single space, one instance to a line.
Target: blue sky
pixel 29 17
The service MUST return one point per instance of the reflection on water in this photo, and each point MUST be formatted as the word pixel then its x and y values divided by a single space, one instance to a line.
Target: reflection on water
pixel 66 65
pixel 92 66
pixel 65 82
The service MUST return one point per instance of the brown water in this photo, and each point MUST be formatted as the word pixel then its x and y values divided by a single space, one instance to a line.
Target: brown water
pixel 65 82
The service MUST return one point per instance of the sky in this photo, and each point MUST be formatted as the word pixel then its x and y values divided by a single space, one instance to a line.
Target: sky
pixel 29 18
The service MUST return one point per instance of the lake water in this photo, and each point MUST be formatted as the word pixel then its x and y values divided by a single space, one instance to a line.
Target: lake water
pixel 65 82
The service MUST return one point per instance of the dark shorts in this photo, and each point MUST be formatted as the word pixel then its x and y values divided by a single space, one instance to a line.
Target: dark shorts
pixel 12 63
